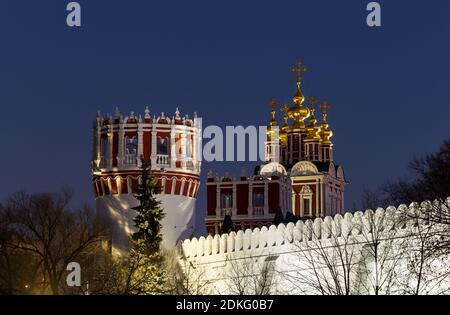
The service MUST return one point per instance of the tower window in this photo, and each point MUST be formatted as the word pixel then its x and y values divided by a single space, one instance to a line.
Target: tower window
pixel 131 145
pixel 163 146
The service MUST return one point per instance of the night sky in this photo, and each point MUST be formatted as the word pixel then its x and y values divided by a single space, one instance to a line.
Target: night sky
pixel 389 87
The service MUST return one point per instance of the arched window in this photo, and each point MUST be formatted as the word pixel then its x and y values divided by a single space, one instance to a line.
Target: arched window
pixel 226 203
pixel 306 195
pixel 131 146
pixel 163 145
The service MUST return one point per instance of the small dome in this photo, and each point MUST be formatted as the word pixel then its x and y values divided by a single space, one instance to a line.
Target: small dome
pixel 273 168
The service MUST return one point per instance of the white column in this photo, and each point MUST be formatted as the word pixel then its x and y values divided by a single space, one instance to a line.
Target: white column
pixel 266 198
pixel 183 182
pixel 154 147
pixel 322 198
pixel 194 147
pixel 173 153
pixel 234 209
pixel 140 151
pixel 183 149
pixel 98 145
pixel 163 186
pixel 275 145
pixel 319 213
pixel 119 185
pixel 293 195
pixel 121 149
pixel 110 146
pixel 189 188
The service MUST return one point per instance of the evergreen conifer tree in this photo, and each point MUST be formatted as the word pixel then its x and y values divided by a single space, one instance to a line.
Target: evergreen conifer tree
pixel 227 225
pixel 145 255
pixel 149 213
pixel 279 218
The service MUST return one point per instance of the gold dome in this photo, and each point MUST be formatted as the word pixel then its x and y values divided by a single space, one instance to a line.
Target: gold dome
pixel 298 113
pixel 325 133
pixel 285 126
pixel 312 129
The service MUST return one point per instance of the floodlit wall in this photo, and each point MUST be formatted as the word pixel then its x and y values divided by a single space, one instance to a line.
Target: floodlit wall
pixel 361 253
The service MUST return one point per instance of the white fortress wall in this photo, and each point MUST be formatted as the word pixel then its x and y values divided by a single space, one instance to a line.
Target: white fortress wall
pixel 293 251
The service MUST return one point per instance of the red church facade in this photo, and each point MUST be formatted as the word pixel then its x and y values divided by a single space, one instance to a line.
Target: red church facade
pixel 299 176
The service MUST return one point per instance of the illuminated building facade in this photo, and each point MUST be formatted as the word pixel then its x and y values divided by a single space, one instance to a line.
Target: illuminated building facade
pixel 299 178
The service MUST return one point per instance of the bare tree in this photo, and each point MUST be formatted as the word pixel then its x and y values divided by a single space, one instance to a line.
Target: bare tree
pixel 326 265
pixel 425 267
pixel 185 278
pixel 370 199
pixel 137 273
pixel 42 230
pixel 381 253
pixel 429 180
pixel 250 275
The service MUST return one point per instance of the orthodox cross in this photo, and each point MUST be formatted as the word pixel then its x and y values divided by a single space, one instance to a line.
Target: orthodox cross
pixel 312 101
pixel 285 109
pixel 299 68
pixel 325 107
pixel 273 104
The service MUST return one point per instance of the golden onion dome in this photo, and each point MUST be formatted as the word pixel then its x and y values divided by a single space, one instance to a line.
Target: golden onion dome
pixel 298 113
pixel 325 133
pixel 312 128
pixel 285 126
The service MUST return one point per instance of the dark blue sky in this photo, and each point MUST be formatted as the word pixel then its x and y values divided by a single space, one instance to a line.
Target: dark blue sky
pixel 223 59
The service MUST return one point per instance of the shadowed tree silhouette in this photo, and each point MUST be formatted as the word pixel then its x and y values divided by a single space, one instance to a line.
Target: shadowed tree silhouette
pixel 227 225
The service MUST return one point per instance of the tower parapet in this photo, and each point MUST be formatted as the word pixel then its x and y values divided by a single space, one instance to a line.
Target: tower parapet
pixel 172 145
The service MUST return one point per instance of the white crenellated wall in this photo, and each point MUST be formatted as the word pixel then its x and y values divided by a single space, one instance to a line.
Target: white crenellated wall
pixel 217 256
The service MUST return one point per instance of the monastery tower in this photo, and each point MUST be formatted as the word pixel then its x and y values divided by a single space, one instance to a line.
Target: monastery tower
pixel 172 145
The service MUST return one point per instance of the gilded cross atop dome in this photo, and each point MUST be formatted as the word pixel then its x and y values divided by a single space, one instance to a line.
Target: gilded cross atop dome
pixel 325 132
pixel 299 68
pixel 285 110
pixel 325 107
pixel 285 127
pixel 312 128
pixel 312 102
pixel 273 104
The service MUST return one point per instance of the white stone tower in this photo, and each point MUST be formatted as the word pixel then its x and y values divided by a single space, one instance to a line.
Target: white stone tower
pixel 173 145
